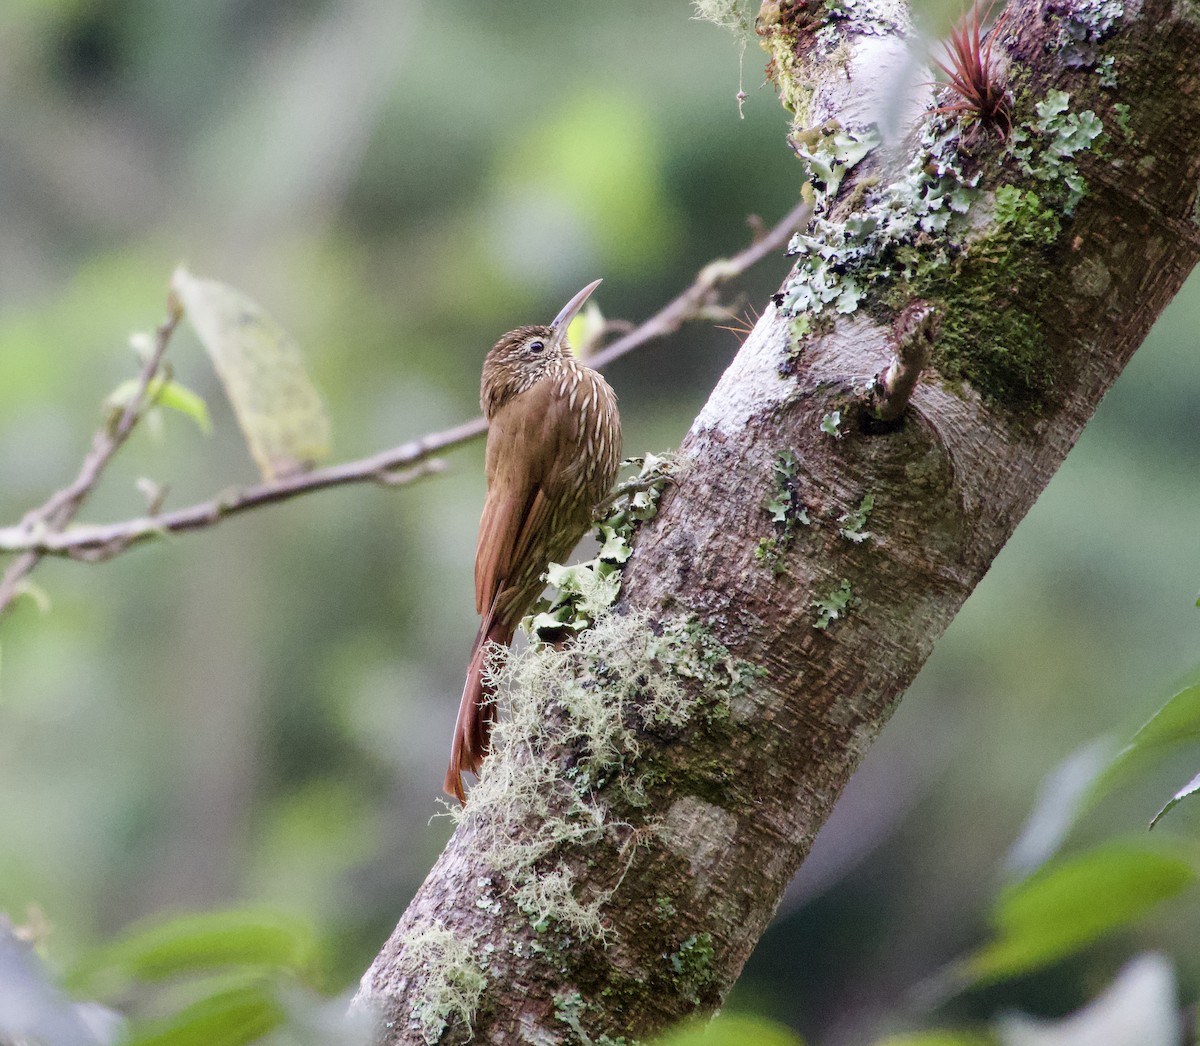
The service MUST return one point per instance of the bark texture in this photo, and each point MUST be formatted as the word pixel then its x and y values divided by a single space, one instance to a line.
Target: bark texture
pixel 802 564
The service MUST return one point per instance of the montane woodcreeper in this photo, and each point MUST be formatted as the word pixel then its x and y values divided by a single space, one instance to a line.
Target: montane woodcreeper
pixel 553 451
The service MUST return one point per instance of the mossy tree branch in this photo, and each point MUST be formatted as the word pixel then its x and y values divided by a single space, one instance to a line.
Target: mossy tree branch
pixel 659 787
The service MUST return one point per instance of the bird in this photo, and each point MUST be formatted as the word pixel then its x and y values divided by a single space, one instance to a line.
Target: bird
pixel 553 453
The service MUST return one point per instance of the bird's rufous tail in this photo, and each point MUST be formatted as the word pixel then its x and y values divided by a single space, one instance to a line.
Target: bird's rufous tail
pixel 476 711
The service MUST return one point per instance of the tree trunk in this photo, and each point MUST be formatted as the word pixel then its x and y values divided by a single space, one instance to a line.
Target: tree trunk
pixel 657 784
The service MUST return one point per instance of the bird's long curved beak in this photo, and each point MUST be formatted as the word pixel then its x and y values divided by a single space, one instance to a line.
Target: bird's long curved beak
pixel 569 311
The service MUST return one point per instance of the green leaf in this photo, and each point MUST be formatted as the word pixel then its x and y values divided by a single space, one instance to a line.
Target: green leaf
pixel 184 401
pixel 731 1030
pixel 1191 788
pixel 162 393
pixel 263 373
pixel 197 943
pixel 1175 724
pixel 1072 903
pixel 230 1018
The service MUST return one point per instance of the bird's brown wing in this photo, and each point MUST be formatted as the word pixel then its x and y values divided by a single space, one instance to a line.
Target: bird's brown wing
pixel 521 488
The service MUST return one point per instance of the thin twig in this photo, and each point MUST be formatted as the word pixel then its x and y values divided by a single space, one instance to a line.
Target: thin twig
pixel 63 505
pixel 96 542
pixel 700 298
pixel 43 534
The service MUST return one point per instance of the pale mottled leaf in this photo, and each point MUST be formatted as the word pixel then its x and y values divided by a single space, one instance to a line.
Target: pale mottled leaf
pixel 1061 797
pixel 260 366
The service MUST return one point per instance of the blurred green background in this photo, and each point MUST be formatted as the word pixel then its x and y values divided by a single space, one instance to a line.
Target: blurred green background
pixel 260 713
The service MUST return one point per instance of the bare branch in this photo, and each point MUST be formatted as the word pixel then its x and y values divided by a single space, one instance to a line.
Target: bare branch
pixel 392 468
pixel 44 531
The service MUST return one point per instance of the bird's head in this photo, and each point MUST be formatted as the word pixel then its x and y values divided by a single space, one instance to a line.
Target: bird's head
pixel 523 356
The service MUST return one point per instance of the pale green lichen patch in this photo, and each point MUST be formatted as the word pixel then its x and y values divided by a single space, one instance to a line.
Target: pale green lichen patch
pixel 854 522
pixel 1121 113
pixel 833 606
pixel 1046 148
pixel 570 1008
pixel 586 590
pixel 692 966
pixel 983 255
pixel 786 510
pixel 453 981
pixel 830 152
pixel 570 750
pixel 831 424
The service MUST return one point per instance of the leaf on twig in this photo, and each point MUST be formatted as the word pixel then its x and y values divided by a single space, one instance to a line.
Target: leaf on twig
pixel 1175 724
pixel 161 392
pixel 1191 788
pixel 585 331
pixel 260 366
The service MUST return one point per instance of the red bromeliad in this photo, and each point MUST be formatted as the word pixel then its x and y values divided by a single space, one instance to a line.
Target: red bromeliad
pixel 971 75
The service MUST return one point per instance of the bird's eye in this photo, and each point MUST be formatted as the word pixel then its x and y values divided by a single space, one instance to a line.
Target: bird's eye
pixel 536 346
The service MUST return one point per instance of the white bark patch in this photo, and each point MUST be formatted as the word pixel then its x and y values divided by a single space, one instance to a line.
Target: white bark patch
pixel 697 831
pixel 752 383
pixel 874 77
pixel 880 87
pixel 855 340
